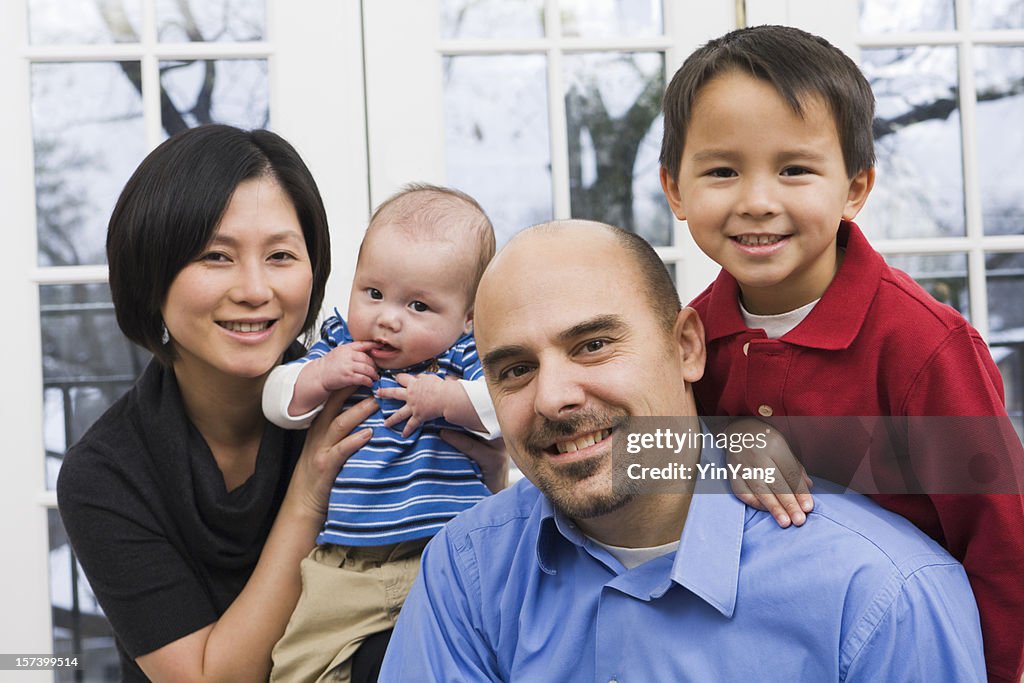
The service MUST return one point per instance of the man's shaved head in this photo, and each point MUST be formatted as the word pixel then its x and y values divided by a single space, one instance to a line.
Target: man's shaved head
pixel 661 292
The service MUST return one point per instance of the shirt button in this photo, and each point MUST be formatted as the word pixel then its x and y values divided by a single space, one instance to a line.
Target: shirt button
pixel 765 410
pixel 746 348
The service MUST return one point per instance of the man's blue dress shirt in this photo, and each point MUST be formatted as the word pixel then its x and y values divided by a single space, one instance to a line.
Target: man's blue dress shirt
pixel 511 590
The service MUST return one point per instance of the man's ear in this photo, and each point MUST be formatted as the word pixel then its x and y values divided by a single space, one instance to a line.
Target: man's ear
pixel 688 333
pixel 671 189
pixel 860 188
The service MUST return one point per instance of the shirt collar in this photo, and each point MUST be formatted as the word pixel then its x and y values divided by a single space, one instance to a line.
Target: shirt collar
pixel 835 321
pixel 553 525
pixel 708 560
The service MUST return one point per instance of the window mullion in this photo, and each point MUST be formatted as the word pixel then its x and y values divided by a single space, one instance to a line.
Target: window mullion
pixel 972 200
pixel 150 77
pixel 561 202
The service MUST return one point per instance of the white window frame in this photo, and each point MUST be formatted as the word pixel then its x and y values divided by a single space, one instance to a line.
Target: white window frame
pixel 405 97
pixel 319 110
pixel 838 21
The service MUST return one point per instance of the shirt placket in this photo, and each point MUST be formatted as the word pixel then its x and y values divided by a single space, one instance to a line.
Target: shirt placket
pixel 767 366
pixel 608 654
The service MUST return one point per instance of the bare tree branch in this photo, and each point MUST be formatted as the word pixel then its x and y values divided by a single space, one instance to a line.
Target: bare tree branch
pixel 940 109
pixel 616 143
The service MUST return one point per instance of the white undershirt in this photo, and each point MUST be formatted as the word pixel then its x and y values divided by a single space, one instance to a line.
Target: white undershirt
pixel 777 325
pixel 634 557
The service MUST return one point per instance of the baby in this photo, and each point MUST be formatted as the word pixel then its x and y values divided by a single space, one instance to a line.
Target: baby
pixel 408 335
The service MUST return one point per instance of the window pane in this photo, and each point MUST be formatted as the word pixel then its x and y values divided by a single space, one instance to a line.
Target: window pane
pixel 79 627
pixel 87 364
pixel 919 190
pixel 996 14
pixel 600 18
pixel 492 18
pixel 496 137
pixel 88 137
pixel 613 106
pixel 232 91
pixel 1005 280
pixel 886 16
pixel 1000 73
pixel 59 22
pixel 944 276
pixel 210 21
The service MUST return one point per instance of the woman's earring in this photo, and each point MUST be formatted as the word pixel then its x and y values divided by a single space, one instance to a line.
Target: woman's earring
pixel 165 337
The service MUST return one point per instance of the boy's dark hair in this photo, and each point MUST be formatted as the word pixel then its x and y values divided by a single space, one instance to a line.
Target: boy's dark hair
pixel 431 211
pixel 170 209
pixel 798 64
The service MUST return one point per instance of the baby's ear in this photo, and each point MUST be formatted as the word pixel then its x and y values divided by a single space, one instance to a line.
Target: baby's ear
pixel 468 326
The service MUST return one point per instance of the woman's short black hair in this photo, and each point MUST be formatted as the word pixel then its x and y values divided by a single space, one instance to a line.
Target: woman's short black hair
pixel 170 209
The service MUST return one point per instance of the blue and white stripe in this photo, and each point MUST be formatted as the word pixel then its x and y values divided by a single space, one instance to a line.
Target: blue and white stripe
pixel 400 488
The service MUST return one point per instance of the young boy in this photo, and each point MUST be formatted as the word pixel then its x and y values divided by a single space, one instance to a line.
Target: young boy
pixel 768 155
pixel 407 335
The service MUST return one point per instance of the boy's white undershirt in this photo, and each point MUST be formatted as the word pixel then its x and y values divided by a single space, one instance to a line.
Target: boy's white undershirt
pixel 777 325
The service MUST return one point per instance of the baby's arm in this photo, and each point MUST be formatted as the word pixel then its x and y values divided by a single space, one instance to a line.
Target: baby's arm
pixel 788 497
pixel 428 397
pixel 295 393
pixel 462 402
pixel 345 366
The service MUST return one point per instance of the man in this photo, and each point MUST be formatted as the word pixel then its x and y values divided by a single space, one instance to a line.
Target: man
pixel 569 577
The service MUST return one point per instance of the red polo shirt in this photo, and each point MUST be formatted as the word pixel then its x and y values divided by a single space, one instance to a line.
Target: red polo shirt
pixel 877 344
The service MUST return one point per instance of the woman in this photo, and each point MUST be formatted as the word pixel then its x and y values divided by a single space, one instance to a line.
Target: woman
pixel 187 510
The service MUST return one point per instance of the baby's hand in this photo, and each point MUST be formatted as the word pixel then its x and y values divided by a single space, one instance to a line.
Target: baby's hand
pixel 346 366
pixel 426 396
pixel 788 498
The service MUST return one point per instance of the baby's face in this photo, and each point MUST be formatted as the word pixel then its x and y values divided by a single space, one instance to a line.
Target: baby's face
pixel 410 296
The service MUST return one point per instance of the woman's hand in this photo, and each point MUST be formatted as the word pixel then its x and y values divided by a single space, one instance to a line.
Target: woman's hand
pixel 237 647
pixel 491 456
pixel 329 443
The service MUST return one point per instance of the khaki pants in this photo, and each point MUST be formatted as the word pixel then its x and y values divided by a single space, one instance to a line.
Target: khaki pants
pixel 348 594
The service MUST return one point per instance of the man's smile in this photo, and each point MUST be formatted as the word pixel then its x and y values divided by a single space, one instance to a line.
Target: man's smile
pixel 583 441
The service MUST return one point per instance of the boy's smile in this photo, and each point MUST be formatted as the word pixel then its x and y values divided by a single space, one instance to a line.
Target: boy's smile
pixel 764 189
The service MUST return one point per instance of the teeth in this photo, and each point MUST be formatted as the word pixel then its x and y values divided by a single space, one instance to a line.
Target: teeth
pixel 758 240
pixel 582 442
pixel 246 327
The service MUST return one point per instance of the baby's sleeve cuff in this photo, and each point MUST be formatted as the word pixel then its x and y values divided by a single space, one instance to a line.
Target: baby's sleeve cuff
pixel 481 400
pixel 277 395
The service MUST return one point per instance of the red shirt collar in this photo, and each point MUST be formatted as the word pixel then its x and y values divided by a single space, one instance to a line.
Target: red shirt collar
pixel 835 321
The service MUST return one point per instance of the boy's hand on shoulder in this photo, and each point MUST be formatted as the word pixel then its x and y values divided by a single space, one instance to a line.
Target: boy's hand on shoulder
pixel 788 496
pixel 426 396
pixel 347 365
